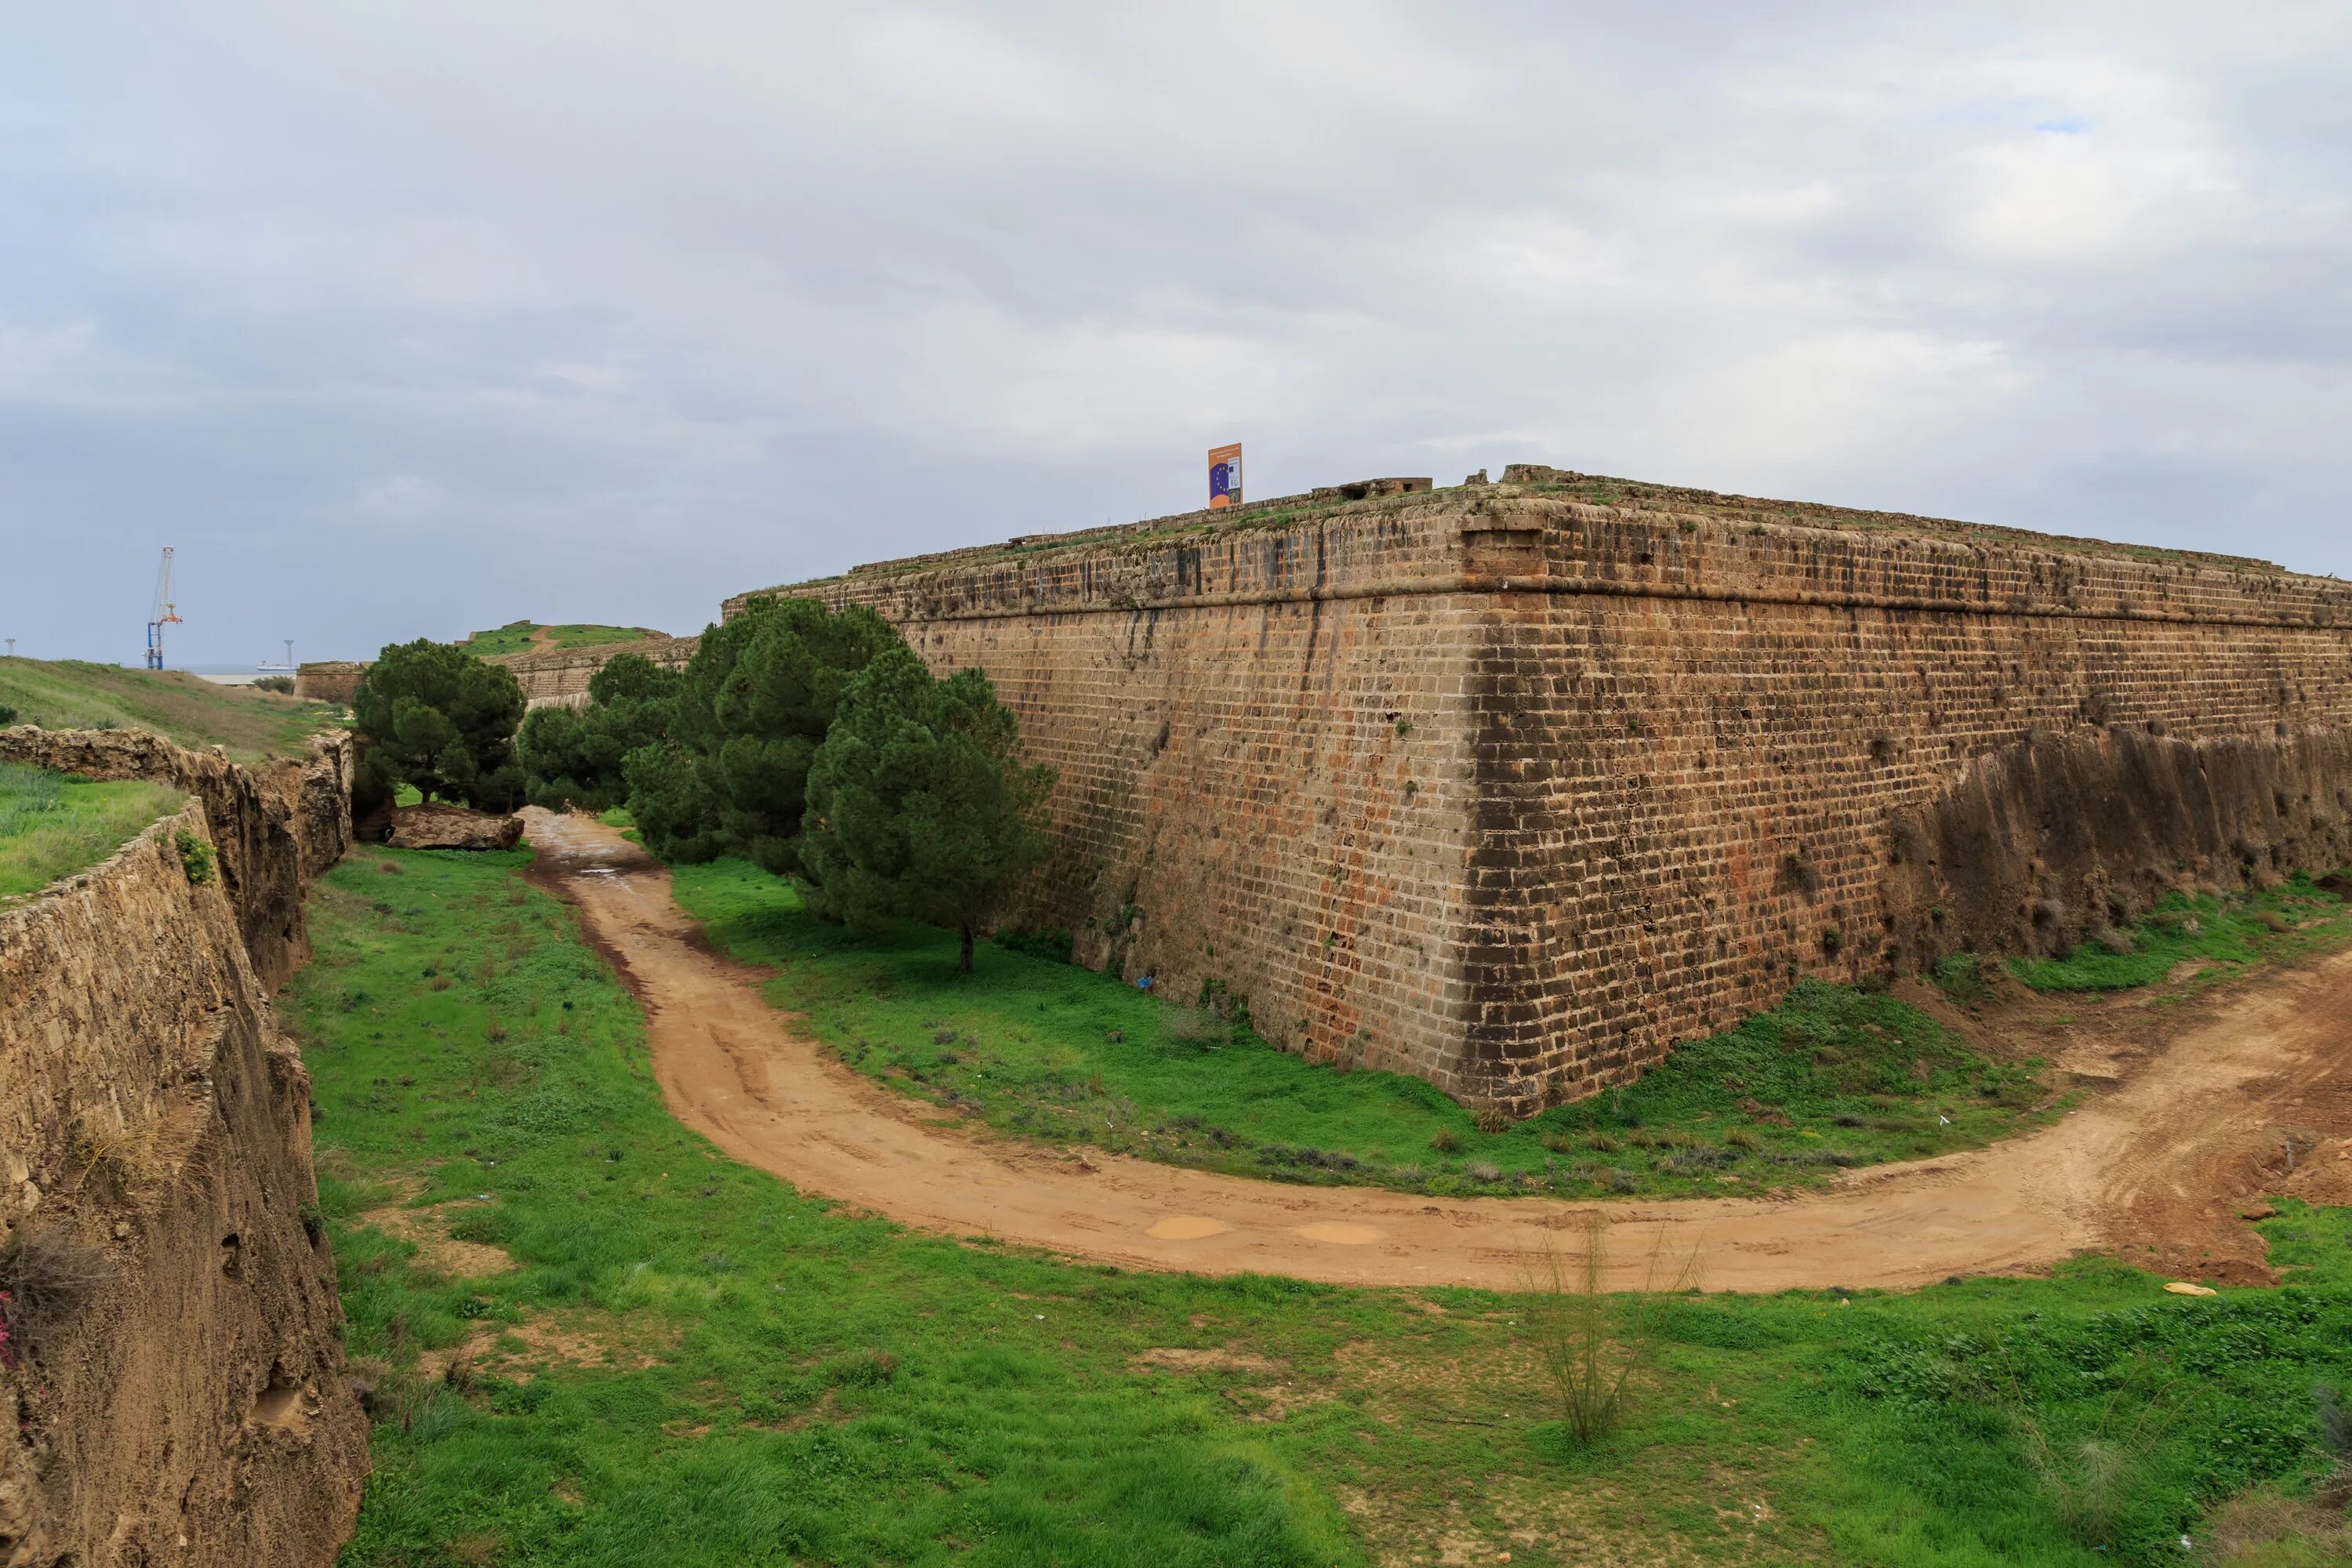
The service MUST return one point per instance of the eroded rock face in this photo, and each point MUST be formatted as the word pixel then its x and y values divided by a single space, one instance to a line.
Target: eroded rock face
pixel 452 827
pixel 191 1409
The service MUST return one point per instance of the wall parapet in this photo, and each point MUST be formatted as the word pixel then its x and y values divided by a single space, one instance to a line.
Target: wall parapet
pixel 1507 543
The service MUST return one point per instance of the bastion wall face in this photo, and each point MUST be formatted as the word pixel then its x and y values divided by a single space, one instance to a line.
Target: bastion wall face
pixel 193 1411
pixel 1514 790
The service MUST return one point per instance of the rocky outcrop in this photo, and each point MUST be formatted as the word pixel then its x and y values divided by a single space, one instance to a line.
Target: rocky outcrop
pixel 452 827
pixel 184 1406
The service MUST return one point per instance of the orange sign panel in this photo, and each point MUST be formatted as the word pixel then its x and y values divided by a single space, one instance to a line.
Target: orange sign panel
pixel 1225 475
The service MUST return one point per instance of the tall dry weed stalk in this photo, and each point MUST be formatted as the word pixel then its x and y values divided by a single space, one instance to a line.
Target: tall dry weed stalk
pixel 1590 1350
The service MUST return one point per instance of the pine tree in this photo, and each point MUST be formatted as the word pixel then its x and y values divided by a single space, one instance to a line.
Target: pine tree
pixel 436 718
pixel 917 804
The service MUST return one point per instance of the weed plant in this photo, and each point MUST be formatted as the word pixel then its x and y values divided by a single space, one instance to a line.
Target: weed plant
pixel 1834 1077
pixel 757 1378
pixel 1590 1351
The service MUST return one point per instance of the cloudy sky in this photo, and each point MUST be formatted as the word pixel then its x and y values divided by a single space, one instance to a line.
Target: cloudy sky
pixel 406 319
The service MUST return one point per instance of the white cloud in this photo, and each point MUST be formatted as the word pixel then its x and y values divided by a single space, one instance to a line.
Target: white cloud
pixel 763 281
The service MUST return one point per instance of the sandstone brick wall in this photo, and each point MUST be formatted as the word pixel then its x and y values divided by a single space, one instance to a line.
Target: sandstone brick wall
pixel 194 1413
pixel 278 823
pixel 328 680
pixel 560 677
pixel 1515 785
pixel 548 675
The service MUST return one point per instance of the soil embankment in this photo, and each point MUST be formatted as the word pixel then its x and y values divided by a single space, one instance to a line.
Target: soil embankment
pixel 2201 1116
pixel 180 1399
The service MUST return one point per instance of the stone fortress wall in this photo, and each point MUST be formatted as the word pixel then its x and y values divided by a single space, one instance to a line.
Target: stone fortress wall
pixel 560 677
pixel 1514 786
pixel 195 1411
pixel 549 677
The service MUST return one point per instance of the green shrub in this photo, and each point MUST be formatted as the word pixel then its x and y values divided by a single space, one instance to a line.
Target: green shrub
pixel 1049 943
pixel 195 856
pixel 1960 978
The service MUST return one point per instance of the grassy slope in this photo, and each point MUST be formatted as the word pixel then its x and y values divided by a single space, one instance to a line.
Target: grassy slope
pixel 2225 933
pixel 69 694
pixel 51 826
pixel 516 636
pixel 829 1389
pixel 1833 1077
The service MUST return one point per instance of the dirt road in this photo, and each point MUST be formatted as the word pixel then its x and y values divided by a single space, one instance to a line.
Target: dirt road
pixel 2195 1125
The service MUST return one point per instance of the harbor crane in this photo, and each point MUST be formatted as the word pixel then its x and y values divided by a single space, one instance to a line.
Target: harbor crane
pixel 163 614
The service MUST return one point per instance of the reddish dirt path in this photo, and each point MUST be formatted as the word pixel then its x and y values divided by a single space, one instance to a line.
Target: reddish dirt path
pixel 2192 1130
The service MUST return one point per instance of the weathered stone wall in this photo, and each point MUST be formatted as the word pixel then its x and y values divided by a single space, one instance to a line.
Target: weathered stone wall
pixel 1515 785
pixel 278 823
pixel 329 681
pixel 193 1412
pixel 557 677
pixel 548 677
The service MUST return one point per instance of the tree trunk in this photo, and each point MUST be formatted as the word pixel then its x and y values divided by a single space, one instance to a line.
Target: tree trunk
pixel 964 966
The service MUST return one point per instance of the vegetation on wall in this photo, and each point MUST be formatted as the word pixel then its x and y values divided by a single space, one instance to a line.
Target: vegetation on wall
pixel 523 636
pixel 441 722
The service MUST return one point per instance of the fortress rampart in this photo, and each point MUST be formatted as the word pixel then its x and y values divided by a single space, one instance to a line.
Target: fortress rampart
pixel 1515 785
pixel 549 677
pixel 195 1411
pixel 559 677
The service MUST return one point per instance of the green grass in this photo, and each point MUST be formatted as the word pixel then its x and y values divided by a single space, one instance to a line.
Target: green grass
pixel 1833 1077
pixel 517 637
pixel 248 724
pixel 2229 933
pixel 793 1385
pixel 52 825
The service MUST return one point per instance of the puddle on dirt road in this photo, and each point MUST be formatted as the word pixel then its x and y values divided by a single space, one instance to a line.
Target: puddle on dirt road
pixel 1185 1228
